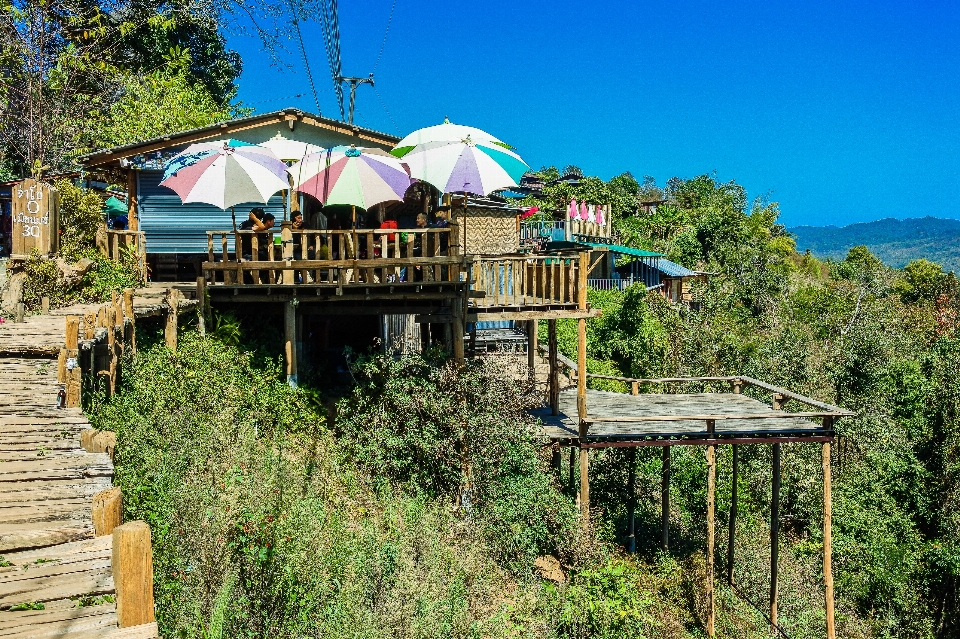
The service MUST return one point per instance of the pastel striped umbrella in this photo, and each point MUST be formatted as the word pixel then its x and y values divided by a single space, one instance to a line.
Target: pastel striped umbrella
pixel 225 173
pixel 360 177
pixel 461 159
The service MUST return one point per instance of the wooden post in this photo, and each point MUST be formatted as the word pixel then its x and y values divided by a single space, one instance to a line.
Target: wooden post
pixel 72 364
pixel 732 527
pixel 202 305
pixel 290 341
pixel 774 536
pixel 585 484
pixel 170 330
pixel 711 488
pixel 111 352
pixel 554 369
pixel 132 560
pixel 827 537
pixel 665 498
pixel 556 460
pixel 130 329
pixel 634 388
pixel 631 500
pixel 107 511
pixel 458 330
pixel 582 417
pixel 21 312
pixel 44 305
pixel 133 220
pixel 570 472
pixel 532 349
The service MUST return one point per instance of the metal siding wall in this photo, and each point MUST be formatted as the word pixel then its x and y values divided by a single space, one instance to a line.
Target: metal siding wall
pixel 173 227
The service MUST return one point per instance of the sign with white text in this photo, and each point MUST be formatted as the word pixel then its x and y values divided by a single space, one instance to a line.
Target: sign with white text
pixel 34 210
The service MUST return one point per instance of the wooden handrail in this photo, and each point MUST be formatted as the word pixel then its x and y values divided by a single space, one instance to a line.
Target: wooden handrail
pixel 835 410
pixel 707 417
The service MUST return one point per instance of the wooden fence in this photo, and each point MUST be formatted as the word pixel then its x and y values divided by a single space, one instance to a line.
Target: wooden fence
pixel 135 242
pixel 523 280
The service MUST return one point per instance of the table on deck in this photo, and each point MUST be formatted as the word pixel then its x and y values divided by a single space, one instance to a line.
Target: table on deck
pixel 563 427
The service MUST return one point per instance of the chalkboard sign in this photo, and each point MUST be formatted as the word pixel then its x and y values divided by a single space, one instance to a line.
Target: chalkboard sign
pixel 35 225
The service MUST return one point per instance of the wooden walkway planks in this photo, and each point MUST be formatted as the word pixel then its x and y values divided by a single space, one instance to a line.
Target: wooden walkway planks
pixel 605 404
pixel 47 484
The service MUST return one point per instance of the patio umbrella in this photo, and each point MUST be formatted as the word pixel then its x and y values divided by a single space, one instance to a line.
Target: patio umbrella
pixel 290 150
pixel 572 209
pixel 583 212
pixel 361 177
pixel 225 173
pixel 460 159
pixel 599 215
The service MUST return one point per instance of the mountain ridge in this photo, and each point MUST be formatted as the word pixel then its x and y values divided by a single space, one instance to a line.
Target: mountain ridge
pixel 895 241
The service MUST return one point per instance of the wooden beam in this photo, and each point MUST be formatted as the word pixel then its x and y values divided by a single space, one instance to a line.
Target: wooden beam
pixel 170 327
pixel 732 525
pixel 711 490
pixel 532 348
pixel 774 537
pixel 704 441
pixel 202 306
pixel 132 562
pixel 290 341
pixel 582 416
pixel 571 473
pixel 546 314
pixel 554 368
pixel 458 332
pixel 707 417
pixel 73 372
pixel 585 485
pixel 133 219
pixel 107 511
pixel 665 499
pixel 828 543
pixel 631 500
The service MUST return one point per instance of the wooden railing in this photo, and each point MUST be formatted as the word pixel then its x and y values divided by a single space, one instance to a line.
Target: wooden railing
pixel 523 280
pixel 341 257
pixel 134 241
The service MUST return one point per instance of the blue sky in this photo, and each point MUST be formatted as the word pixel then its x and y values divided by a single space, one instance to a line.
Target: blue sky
pixel 841 113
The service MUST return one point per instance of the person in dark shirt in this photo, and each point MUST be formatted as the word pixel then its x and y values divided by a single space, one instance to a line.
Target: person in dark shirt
pixel 261 222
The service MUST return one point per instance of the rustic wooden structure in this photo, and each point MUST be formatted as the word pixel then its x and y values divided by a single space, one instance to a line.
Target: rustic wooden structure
pixel 599 419
pixel 34 209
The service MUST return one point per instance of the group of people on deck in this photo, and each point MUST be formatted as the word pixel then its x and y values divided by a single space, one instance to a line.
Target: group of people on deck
pixel 261 222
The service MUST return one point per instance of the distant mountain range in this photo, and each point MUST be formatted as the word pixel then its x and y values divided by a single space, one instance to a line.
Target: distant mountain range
pixel 894 241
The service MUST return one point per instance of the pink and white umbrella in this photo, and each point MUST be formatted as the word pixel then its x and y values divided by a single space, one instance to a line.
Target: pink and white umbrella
pixel 583 212
pixel 599 214
pixel 225 173
pixel 572 209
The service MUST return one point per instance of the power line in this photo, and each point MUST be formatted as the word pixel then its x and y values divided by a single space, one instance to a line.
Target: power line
pixel 384 105
pixel 331 41
pixel 385 34
pixel 289 97
pixel 306 63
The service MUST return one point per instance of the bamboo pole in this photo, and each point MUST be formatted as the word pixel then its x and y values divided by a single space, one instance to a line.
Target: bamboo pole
pixel 711 489
pixel 827 539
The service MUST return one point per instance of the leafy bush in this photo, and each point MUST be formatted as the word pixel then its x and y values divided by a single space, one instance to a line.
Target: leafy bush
pixel 44 279
pixel 81 214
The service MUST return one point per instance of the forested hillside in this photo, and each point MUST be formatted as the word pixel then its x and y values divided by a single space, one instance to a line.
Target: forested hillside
pixel 896 242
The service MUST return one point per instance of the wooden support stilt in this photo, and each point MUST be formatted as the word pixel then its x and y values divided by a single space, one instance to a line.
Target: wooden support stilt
pixel 711 490
pixel 111 363
pixel 665 498
pixel 827 537
pixel 170 328
pixel 732 526
pixel 202 305
pixel 72 362
pixel 458 332
pixel 554 369
pixel 130 326
pixel 44 305
pixel 290 341
pixel 774 537
pixel 631 500
pixel 582 417
pixel 132 561
pixel 473 340
pixel 556 461
pixel 532 349
pixel 571 486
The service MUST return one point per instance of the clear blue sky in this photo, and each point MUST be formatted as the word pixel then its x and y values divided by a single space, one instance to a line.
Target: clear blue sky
pixel 841 113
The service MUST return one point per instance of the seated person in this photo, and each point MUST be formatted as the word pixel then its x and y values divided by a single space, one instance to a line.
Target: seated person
pixel 260 222
pixel 120 223
pixel 297 227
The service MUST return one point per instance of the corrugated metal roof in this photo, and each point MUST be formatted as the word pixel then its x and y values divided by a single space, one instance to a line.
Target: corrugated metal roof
pixel 672 269
pixel 173 227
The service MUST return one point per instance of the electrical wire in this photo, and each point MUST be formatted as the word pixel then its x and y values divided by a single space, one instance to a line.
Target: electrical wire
pixel 331 41
pixel 306 64
pixel 385 34
pixel 384 105
pixel 289 97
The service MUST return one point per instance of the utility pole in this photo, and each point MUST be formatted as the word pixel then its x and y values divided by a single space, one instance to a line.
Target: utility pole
pixel 354 82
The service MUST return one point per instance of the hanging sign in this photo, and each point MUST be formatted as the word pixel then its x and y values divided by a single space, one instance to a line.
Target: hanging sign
pixel 34 211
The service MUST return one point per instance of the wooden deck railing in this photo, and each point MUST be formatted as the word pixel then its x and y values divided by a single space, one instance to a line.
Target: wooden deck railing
pixel 134 241
pixel 524 280
pixel 341 257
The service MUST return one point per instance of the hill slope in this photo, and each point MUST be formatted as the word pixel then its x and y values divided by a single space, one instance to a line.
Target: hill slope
pixel 894 241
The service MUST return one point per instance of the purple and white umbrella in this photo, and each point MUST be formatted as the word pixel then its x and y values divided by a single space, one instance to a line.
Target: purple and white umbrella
pixel 225 173
pixel 348 175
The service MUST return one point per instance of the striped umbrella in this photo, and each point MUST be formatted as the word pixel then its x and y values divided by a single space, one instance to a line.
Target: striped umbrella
pixel 461 159
pixel 361 177
pixel 225 173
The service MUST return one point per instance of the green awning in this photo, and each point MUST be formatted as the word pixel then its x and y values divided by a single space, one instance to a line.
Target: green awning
pixel 626 250
pixel 113 207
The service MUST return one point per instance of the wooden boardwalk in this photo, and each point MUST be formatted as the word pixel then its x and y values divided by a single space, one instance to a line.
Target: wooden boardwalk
pixel 51 558
pixel 682 419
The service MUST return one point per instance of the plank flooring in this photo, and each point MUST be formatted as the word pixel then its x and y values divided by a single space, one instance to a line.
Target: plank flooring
pixel 602 404
pixel 47 482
